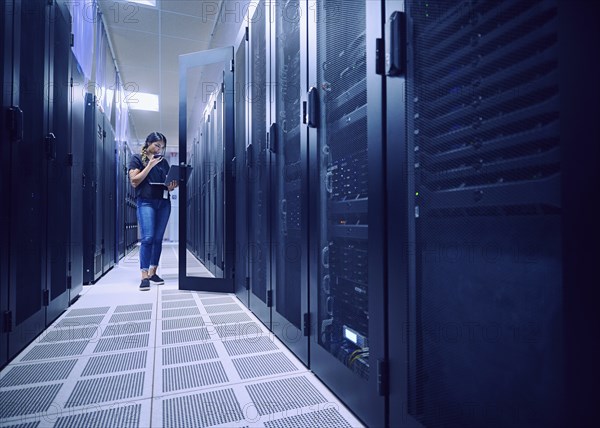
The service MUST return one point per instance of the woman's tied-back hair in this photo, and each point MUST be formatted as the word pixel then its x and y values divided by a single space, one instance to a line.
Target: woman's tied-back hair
pixel 153 137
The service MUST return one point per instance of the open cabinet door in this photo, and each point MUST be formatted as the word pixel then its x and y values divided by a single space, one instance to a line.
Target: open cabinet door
pixel 206 190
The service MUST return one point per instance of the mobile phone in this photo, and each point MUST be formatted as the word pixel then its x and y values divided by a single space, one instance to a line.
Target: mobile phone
pixel 158 156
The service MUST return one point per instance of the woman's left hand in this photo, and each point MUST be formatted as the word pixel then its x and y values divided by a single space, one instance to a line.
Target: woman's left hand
pixel 172 185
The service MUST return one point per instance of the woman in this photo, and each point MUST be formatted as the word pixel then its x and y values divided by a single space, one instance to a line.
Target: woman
pixel 153 203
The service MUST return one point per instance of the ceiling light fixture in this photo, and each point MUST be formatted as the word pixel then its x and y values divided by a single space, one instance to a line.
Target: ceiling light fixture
pixel 142 101
pixel 145 2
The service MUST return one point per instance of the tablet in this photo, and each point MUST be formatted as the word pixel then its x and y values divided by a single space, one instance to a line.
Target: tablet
pixel 173 174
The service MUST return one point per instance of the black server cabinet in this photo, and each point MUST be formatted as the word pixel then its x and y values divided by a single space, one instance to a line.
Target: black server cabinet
pixel 27 230
pixel 259 240
pixel 77 171
pixel 195 202
pixel 205 189
pixel 220 164
pixel 241 279
pixel 108 197
pixel 59 161
pixel 9 130
pixel 131 226
pixel 92 191
pixel 347 180
pixel 121 201
pixel 212 160
pixel 496 223
pixel 289 173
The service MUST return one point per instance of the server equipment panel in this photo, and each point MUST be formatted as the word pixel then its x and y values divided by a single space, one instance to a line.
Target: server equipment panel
pixel 484 129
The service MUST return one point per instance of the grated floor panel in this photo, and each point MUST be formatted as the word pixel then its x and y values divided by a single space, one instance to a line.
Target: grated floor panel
pixel 162 358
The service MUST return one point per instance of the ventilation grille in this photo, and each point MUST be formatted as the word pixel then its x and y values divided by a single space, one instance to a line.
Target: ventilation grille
pixel 232 307
pixel 176 378
pixel 37 373
pixel 486 131
pixel 104 389
pixel 21 402
pixel 115 363
pixel 56 350
pixel 263 365
pixel 170 313
pixel 126 329
pixel 179 304
pixel 87 311
pixel 230 318
pixel 131 316
pixel 125 417
pixel 202 410
pixel 217 300
pixel 122 342
pixel 284 394
pixel 182 336
pixel 80 321
pixel 189 353
pixel 177 297
pixel 134 308
pixel 249 345
pixel 238 330
pixel 182 323
pixel 328 418
pixel 25 425
pixel 68 334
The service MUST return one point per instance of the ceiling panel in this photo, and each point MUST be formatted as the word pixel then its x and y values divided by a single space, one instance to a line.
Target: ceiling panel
pixel 208 10
pixel 186 27
pixel 172 47
pixel 140 79
pixel 134 47
pixel 129 16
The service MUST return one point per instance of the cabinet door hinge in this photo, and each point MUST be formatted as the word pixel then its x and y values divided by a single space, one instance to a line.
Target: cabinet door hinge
pixel 269 298
pixel 382 377
pixel 247 34
pixel 70 159
pixel 46 297
pixel 247 283
pixel 306 324
pixel 7 328
pixel 69 282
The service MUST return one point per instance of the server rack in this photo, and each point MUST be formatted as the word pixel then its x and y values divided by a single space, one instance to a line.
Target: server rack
pixel 219 187
pixel 488 204
pixel 259 239
pixel 211 183
pixel 121 199
pixel 29 258
pixel 27 220
pixel 108 195
pixel 8 133
pixel 288 159
pixel 347 284
pixel 76 194
pixel 59 161
pixel 93 188
pixel 488 183
pixel 241 279
pixel 131 226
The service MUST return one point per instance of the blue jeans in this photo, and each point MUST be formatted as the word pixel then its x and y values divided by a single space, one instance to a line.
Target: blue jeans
pixel 153 216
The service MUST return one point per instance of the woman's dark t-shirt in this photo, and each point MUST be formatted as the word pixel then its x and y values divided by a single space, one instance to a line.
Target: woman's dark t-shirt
pixel 158 174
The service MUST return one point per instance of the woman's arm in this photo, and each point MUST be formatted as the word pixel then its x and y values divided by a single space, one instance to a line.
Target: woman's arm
pixel 136 176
